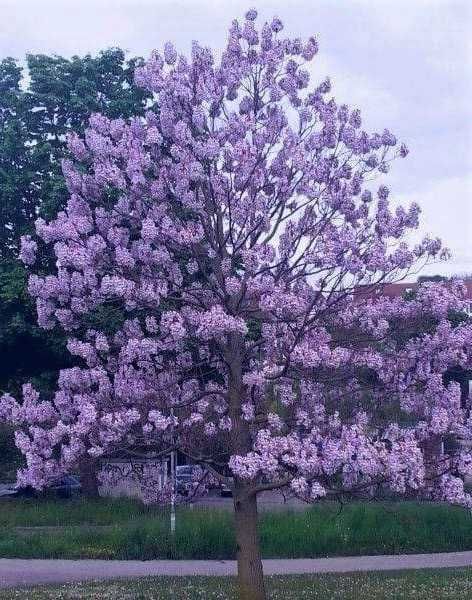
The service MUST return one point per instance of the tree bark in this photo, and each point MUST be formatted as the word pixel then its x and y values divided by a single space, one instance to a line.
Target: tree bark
pixel 248 554
pixel 88 469
pixel 250 572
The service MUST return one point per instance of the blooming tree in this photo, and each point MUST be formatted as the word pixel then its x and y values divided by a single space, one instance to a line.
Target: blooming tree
pixel 234 234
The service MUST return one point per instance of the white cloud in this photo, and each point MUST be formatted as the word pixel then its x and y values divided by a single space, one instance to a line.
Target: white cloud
pixel 379 106
pixel 446 213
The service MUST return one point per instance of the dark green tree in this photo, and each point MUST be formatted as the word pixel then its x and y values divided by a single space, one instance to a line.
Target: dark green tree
pixel 35 116
pixel 39 105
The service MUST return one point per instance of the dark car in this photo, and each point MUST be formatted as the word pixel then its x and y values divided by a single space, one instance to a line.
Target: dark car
pixel 184 479
pixel 64 487
pixel 226 489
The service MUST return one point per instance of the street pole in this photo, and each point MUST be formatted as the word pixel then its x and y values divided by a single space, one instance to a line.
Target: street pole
pixel 172 496
pixel 172 474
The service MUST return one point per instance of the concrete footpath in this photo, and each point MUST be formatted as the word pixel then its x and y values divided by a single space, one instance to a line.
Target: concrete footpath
pixel 18 572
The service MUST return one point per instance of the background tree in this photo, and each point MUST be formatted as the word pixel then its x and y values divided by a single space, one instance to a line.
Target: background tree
pixel 35 116
pixel 235 231
pixel 36 113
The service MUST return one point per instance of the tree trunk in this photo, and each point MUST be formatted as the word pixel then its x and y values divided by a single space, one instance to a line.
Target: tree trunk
pixel 248 554
pixel 88 469
pixel 432 453
pixel 250 573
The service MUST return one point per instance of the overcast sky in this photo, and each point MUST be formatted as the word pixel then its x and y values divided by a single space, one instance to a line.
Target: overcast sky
pixel 405 63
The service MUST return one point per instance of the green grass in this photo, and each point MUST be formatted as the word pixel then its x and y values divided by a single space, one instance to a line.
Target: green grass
pixel 123 529
pixel 81 511
pixel 445 584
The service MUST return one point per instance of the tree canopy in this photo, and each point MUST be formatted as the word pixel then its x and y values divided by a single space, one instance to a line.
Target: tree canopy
pixel 57 96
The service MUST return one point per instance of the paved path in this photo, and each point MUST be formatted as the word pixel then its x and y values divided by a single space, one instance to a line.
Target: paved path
pixel 17 572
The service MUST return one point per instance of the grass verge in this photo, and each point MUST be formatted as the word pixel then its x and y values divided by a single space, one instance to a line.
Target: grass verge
pixel 122 529
pixel 445 584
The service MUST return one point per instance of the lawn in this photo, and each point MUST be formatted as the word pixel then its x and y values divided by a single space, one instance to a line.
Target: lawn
pixel 445 584
pixel 124 529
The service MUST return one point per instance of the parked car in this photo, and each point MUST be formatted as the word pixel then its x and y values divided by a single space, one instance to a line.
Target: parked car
pixel 184 479
pixel 66 486
pixel 226 490
pixel 7 490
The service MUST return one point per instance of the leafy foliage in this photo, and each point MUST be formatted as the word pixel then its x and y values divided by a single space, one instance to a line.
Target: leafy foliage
pixel 58 96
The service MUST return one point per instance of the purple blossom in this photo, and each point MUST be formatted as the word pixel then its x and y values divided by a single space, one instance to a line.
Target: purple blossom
pixel 276 25
pixel 170 54
pixel 28 250
pixel 251 14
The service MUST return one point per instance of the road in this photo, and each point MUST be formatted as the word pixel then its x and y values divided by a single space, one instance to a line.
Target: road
pixel 270 501
pixel 18 572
